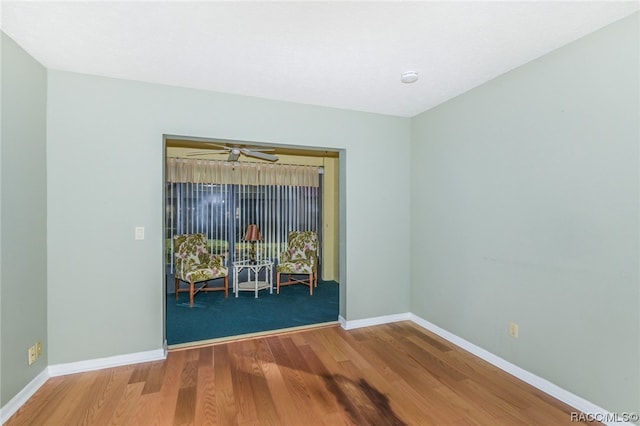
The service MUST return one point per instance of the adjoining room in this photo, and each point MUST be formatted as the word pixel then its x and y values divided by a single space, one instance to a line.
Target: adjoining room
pixel 247 199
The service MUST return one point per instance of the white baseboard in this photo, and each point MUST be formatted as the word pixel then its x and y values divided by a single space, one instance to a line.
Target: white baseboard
pixel 386 319
pixel 557 392
pixel 11 407
pixel 580 404
pixel 108 362
pixel 76 367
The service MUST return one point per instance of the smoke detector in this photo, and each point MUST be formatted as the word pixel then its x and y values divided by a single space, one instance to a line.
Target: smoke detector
pixel 409 77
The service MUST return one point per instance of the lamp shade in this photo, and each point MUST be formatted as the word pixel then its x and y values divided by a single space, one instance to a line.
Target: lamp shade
pixel 252 234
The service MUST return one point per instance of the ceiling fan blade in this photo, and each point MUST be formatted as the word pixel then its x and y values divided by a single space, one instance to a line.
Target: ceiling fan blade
pixel 219 146
pixel 197 153
pixel 258 154
pixel 259 149
pixel 233 156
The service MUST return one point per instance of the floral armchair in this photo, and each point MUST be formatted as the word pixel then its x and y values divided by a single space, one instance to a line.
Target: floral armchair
pixel 194 264
pixel 300 258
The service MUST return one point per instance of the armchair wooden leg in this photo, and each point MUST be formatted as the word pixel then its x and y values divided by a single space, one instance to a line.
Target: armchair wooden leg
pixel 192 291
pixel 311 284
pixel 226 287
pixel 277 282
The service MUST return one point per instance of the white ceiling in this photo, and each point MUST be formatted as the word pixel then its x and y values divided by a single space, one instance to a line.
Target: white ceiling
pixel 338 54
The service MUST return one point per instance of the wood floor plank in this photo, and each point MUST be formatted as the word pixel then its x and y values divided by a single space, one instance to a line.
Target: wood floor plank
pixel 241 370
pixel 435 365
pixel 206 407
pixel 491 403
pixel 460 406
pixel 140 372
pixel 316 382
pixel 153 383
pixel 391 374
pixel 494 380
pixel 262 398
pixel 168 394
pixel 284 403
pixel 76 404
pixel 332 344
pixel 126 404
pixel 109 388
pixel 347 382
pixel 412 330
pixel 189 375
pixel 378 364
pixel 144 412
pixel 205 357
pixel 185 406
pixel 406 402
pixel 34 406
pixel 37 410
pixel 479 370
pixel 225 401
pixel 340 339
pixel 334 419
pixel 293 368
pixel 96 396
pixel 395 357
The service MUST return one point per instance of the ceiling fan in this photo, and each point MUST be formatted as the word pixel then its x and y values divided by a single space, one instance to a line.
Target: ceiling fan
pixel 236 151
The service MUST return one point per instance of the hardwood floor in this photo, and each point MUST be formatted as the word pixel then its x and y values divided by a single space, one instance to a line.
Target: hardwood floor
pixel 394 374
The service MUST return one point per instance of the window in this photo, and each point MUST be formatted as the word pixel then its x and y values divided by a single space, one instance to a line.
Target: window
pixel 222 211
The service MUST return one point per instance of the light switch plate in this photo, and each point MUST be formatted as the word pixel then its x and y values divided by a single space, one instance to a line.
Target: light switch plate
pixel 139 233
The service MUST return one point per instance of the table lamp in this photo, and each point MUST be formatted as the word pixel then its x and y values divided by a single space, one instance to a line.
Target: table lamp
pixel 252 235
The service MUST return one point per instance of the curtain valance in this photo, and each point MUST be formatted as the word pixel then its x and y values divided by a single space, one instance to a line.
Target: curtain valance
pixel 183 170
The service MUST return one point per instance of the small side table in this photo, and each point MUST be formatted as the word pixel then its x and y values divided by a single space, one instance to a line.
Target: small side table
pixel 253 284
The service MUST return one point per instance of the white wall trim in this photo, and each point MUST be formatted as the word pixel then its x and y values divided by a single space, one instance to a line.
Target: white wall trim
pixel 342 321
pixel 350 325
pixel 580 404
pixel 76 367
pixel 544 385
pixel 108 362
pixel 23 396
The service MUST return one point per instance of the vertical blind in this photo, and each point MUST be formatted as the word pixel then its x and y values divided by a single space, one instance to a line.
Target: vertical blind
pixel 220 199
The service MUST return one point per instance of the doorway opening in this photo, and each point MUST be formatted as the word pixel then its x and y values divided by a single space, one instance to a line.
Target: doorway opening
pixel 223 208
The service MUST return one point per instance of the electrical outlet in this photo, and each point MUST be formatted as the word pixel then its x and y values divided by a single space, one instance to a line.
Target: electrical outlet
pixel 513 330
pixel 38 349
pixel 31 352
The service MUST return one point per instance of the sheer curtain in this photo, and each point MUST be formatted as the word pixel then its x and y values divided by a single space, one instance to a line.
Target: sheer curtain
pixel 221 198
pixel 184 170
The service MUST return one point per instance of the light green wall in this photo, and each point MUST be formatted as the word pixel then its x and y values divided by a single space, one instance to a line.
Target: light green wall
pixel 525 207
pixel 23 238
pixel 106 289
pixel 522 199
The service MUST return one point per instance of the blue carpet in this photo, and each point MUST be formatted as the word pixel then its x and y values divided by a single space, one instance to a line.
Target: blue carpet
pixel 213 316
